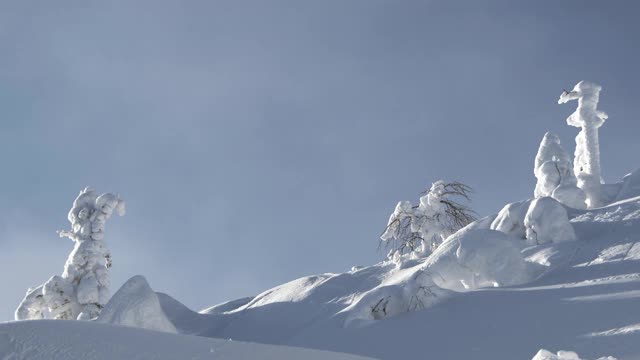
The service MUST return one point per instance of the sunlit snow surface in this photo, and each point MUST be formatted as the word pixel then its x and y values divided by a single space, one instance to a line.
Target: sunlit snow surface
pixel 82 340
pixel 576 296
pixel 585 300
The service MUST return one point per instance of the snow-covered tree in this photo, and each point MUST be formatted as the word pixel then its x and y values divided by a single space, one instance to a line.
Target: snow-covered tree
pixel 587 155
pixel 83 288
pixel 420 229
pixel 554 171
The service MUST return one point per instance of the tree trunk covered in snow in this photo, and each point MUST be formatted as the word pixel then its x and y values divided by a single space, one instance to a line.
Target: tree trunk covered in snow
pixel 587 154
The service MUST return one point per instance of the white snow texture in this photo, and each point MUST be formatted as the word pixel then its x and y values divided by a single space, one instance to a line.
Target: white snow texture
pixel 136 305
pixel 543 272
pixel 554 171
pixel 588 118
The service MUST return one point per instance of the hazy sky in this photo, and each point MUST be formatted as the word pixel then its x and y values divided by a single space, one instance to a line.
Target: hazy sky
pixel 260 141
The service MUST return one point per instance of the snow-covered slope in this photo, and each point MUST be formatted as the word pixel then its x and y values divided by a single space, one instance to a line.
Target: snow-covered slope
pixel 577 296
pixel 81 340
pixel 584 299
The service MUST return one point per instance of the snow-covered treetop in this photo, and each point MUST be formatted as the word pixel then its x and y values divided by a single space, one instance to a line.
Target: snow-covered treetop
pixel 89 214
pixel 550 150
pixel 587 114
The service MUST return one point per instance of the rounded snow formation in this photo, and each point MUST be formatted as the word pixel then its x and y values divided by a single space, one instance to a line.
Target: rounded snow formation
pixel 470 259
pixel 476 258
pixel 547 221
pixel 554 170
pixel 135 304
pixel 510 219
pixel 570 195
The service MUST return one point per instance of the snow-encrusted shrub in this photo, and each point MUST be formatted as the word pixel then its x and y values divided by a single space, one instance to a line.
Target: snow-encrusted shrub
pixel 586 164
pixel 554 171
pixel 547 221
pixel 83 288
pixel 420 229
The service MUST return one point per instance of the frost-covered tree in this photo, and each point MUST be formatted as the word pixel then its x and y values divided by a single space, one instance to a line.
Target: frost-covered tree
pixel 554 171
pixel 420 229
pixel 83 288
pixel 588 118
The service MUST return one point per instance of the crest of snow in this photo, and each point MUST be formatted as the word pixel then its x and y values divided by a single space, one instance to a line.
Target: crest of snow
pixel 630 186
pixel 588 118
pixel 136 305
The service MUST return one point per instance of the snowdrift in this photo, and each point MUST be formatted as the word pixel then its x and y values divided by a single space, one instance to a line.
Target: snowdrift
pixel 136 305
pixel 84 340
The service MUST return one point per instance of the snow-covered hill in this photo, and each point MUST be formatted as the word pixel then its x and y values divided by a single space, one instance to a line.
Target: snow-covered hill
pixel 584 298
pixel 482 294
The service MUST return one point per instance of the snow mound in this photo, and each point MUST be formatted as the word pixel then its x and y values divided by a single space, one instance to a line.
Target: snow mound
pixel 510 220
pixel 136 305
pixel 539 221
pixel 468 260
pixel 80 340
pixel 547 221
pixel 562 355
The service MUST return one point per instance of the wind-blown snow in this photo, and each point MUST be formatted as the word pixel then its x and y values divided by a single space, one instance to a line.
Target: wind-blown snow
pixel 136 305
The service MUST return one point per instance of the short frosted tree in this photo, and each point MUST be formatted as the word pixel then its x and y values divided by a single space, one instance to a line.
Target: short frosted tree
pixel 588 118
pixel 420 229
pixel 554 171
pixel 83 289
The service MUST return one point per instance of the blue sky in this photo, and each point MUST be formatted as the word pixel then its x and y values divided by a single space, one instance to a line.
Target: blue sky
pixel 260 141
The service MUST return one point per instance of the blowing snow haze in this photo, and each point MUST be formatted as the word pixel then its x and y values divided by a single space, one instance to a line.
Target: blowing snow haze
pixel 259 142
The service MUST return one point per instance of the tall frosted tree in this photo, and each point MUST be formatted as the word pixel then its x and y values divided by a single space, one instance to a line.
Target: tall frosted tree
pixel 83 289
pixel 589 119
